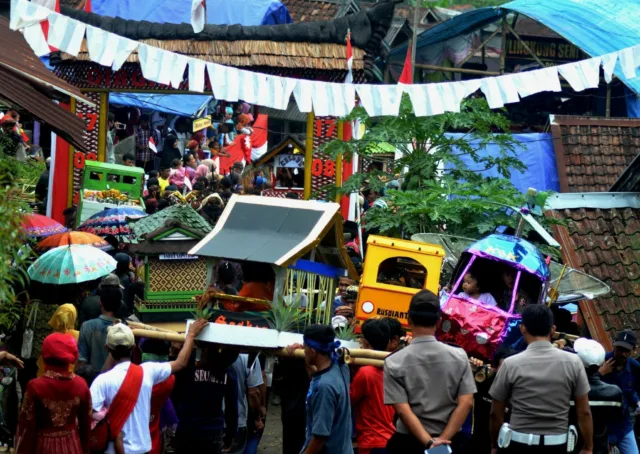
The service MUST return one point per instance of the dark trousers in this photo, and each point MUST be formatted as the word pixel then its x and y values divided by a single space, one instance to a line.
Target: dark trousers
pixel 519 448
pixel 209 443
pixel 148 166
pixel 408 444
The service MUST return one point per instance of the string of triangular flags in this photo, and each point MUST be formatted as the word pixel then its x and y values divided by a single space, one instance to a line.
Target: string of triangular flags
pixel 324 98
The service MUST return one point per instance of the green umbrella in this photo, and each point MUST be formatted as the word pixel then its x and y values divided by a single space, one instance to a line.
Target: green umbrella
pixel 71 264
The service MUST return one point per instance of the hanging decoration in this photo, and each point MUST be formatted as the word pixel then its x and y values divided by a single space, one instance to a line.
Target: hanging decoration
pixel 323 98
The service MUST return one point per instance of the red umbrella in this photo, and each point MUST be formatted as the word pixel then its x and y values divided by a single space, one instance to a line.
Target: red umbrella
pixel 36 225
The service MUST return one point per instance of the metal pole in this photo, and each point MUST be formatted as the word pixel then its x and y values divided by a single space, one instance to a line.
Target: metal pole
pixel 503 55
pixel 608 103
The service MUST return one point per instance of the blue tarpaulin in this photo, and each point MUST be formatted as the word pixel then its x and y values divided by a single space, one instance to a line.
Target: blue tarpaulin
pixel 597 27
pixel 183 105
pixel 219 12
pixel 536 152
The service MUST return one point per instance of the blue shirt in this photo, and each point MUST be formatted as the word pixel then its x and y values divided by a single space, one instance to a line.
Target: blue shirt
pixel 329 410
pixel 92 341
pixel 628 380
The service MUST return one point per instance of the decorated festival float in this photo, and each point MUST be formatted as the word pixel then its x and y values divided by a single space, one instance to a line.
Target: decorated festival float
pixel 172 277
pixel 108 186
pixel 283 167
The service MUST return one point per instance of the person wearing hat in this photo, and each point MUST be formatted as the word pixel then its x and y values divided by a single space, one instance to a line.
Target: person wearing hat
pixel 429 384
pixel 135 384
pixel 540 383
pixel 56 410
pixel 622 370
pixel 605 400
pixel 93 333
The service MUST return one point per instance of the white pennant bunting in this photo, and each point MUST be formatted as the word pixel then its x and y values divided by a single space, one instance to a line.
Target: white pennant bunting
pixel 156 62
pixel 627 62
pixel 418 95
pixel 249 83
pixel 492 93
pixel 435 106
pixel 288 85
pixel 450 99
pixel 196 75
pixel 34 35
pixel 302 94
pixel 531 82
pixel 101 48
pixel 123 48
pixel 582 74
pixel 380 100
pixel 609 65
pixel 508 89
pixel 270 92
pixel 177 72
pixel 66 34
pixel 224 81
pixel 25 14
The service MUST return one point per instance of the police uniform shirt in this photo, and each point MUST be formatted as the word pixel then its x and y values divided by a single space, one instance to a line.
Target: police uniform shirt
pixel 541 382
pixel 429 376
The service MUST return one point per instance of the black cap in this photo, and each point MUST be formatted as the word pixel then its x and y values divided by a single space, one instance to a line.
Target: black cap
pixel 626 339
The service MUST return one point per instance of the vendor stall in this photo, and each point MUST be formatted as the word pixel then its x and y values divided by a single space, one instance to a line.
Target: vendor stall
pixel 284 168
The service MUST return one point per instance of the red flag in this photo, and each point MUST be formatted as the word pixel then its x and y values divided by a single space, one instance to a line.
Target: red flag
pixel 407 72
pixel 349 78
pixel 87 6
pixel 45 24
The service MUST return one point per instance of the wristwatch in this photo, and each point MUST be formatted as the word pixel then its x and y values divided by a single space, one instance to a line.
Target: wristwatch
pixel 429 444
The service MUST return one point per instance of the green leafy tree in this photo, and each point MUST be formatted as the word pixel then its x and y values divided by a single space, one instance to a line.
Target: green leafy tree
pixel 14 258
pixel 440 192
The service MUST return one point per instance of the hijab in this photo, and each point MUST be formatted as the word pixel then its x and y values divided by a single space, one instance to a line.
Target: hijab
pixel 201 171
pixel 64 320
pixel 169 142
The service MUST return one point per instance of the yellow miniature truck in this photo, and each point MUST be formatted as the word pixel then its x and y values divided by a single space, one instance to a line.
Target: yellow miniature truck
pixel 394 270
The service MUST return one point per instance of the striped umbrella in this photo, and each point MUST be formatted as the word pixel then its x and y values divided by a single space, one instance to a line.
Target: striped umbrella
pixel 37 225
pixel 112 221
pixel 71 264
pixel 67 238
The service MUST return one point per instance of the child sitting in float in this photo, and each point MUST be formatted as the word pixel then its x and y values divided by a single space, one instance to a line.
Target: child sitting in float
pixel 472 286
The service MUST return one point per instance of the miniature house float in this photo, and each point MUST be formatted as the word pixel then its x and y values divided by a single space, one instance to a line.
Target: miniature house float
pixel 171 276
pixel 302 242
pixel 283 168
pixel 109 186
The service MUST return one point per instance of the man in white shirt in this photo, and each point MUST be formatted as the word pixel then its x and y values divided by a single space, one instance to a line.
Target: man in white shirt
pixel 120 342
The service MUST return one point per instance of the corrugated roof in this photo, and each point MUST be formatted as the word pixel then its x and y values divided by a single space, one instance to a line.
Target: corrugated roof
pixel 592 153
pixel 17 55
pixel 184 214
pixel 32 97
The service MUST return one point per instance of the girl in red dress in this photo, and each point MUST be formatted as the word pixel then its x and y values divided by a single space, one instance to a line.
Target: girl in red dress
pixel 56 411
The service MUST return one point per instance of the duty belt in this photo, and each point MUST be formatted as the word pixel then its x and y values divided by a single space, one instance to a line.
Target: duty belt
pixel 537 440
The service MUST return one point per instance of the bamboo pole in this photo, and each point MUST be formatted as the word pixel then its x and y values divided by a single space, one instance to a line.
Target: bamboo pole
pixel 457 70
pixel 480 47
pixel 526 46
pixel 142 326
pixel 160 335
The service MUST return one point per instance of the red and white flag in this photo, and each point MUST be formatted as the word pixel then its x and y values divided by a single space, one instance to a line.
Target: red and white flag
pixel 53 5
pixel 349 78
pixel 407 72
pixel 152 145
pixel 198 15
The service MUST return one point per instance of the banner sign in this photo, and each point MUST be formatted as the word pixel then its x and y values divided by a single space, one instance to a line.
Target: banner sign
pixel 201 123
pixel 292 161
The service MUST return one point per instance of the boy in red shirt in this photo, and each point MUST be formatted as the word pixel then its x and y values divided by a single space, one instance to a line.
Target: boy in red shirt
pixel 374 419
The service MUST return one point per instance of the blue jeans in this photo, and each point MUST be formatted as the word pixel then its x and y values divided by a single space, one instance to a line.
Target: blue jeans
pixel 628 445
pixel 252 443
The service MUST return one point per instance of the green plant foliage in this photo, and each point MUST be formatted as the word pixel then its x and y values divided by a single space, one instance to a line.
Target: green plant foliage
pixel 206 313
pixel 285 318
pixel 14 258
pixel 459 201
pixel 348 333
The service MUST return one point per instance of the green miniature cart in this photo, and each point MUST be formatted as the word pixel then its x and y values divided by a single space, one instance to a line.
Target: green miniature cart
pixel 101 180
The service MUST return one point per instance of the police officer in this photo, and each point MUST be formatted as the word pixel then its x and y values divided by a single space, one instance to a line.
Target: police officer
pixel 540 383
pixel 429 384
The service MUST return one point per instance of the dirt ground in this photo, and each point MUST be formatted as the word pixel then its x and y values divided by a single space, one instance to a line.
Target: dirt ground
pixel 271 442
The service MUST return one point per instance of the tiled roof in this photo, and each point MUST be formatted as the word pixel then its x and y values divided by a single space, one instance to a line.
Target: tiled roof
pixel 605 243
pixel 592 153
pixel 184 214
pixel 311 10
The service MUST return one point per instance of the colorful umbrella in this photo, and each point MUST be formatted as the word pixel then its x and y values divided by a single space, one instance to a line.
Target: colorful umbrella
pixel 111 221
pixel 67 238
pixel 71 264
pixel 37 225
